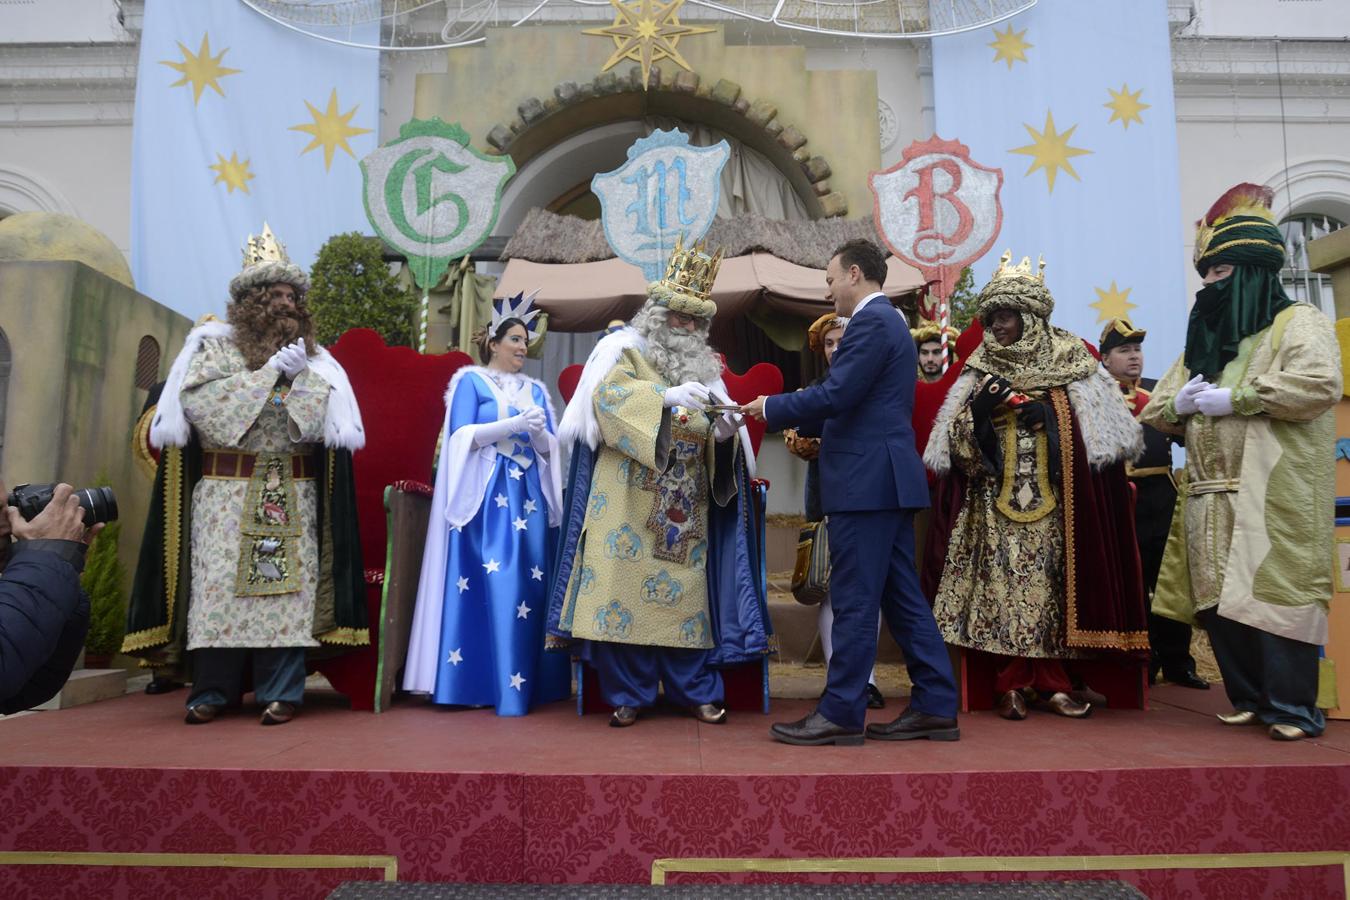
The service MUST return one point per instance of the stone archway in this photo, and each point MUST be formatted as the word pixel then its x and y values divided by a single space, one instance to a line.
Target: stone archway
pixel 611 97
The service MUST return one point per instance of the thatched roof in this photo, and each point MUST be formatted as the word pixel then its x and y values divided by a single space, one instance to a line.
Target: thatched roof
pixel 546 237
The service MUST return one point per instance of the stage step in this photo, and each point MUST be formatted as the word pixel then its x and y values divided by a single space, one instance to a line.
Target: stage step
pixel 1039 890
pixel 89 686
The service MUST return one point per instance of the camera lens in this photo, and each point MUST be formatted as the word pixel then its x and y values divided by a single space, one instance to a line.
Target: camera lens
pixel 99 504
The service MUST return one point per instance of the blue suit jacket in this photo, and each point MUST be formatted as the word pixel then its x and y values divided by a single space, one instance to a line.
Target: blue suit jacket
pixel 863 411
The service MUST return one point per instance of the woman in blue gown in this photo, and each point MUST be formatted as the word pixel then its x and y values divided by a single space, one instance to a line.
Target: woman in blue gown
pixel 478 630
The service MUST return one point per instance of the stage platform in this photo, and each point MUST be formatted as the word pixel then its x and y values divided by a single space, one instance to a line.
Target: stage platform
pixel 120 799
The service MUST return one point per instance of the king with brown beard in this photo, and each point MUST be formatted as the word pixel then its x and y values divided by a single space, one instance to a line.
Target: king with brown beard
pixel 658 573
pixel 240 562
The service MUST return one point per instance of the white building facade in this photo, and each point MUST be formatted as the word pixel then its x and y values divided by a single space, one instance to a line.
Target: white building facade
pixel 1262 91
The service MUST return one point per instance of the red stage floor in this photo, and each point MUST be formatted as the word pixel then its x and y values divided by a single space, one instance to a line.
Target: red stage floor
pixel 465 795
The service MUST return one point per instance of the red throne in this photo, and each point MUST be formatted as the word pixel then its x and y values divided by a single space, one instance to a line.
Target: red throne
pixel 401 393
pixel 746 686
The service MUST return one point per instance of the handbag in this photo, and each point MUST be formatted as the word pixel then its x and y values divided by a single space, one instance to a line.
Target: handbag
pixel 811 574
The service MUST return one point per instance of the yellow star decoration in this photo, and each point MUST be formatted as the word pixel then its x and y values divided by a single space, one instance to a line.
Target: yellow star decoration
pixel 1051 150
pixel 202 70
pixel 233 171
pixel 1010 46
pixel 1113 303
pixel 1125 106
pixel 646 31
pixel 330 129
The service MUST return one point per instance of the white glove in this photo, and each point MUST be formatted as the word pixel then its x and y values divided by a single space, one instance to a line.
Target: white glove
pixel 290 360
pixel 726 426
pixel 690 395
pixel 1185 399
pixel 1215 402
pixel 535 420
pixel 492 432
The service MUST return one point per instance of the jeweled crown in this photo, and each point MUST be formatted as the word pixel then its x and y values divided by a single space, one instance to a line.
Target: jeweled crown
pixel 1021 271
pixel 693 271
pixel 264 248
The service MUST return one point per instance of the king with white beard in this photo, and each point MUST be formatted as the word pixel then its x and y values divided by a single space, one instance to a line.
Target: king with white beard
pixel 658 573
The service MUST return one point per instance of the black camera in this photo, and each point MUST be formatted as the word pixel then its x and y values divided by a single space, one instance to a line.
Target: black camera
pixel 99 503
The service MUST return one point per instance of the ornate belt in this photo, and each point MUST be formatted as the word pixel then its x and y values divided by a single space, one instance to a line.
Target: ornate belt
pixel 227 464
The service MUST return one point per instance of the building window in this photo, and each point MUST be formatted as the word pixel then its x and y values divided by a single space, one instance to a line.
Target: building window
pixel 147 363
pixel 1300 282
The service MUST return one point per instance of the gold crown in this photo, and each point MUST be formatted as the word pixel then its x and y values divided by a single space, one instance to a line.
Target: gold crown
pixel 264 248
pixel 692 272
pixel 1021 271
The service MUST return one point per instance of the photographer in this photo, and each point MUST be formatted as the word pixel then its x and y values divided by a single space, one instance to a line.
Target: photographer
pixel 43 613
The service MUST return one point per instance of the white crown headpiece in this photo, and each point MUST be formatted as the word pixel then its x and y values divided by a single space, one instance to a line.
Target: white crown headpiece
pixel 517 307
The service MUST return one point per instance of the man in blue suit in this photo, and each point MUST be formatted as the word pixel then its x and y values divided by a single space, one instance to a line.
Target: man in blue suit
pixel 871 483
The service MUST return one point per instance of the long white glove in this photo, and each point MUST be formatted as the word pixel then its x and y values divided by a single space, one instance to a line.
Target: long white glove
pixel 536 425
pixel 290 360
pixel 492 432
pixel 726 426
pixel 690 395
pixel 1185 399
pixel 1215 402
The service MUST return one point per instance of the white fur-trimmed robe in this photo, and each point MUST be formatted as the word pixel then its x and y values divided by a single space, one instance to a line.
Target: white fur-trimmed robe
pixel 170 427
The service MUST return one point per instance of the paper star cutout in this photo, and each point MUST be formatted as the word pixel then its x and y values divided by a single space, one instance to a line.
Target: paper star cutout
pixel 517 681
pixel 202 70
pixel 1125 106
pixel 502 501
pixel 646 31
pixel 536 573
pixel 1010 47
pixel 233 171
pixel 1113 303
pixel 1051 150
pixel 515 473
pixel 462 584
pixel 492 566
pixel 522 611
pixel 521 524
pixel 455 657
pixel 530 506
pixel 329 129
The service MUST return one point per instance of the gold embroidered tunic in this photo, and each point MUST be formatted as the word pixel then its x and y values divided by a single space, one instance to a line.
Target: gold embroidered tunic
pixel 1002 588
pixel 1255 535
pixel 640 576
pixel 255 552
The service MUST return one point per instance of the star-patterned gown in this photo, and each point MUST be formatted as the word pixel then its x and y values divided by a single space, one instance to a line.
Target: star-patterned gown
pixel 491 648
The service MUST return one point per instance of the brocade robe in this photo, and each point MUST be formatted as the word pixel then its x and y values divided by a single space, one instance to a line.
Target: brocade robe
pixel 1002 588
pixel 641 570
pixel 1254 534
pixel 255 551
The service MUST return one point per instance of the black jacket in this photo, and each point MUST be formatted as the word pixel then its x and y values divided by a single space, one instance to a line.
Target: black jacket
pixel 44 617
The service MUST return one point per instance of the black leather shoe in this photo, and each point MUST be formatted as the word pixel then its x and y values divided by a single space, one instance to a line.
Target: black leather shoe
pixel 623 717
pixel 1187 680
pixel 201 713
pixel 160 685
pixel 913 725
pixel 278 712
pixel 874 698
pixel 813 731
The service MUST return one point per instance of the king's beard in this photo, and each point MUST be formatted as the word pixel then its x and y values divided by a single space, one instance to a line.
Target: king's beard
pixel 259 333
pixel 680 356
